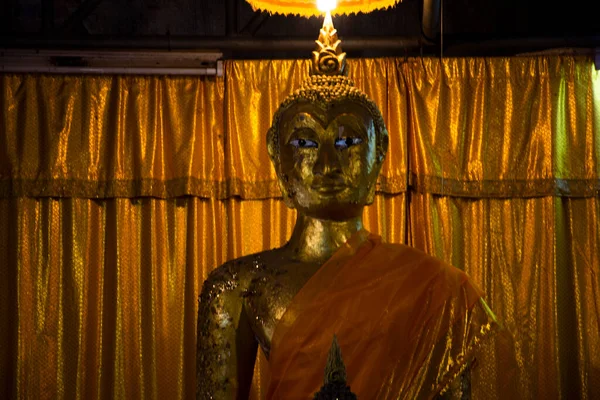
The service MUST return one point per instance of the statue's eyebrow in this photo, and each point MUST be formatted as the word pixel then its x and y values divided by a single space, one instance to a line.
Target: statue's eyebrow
pixel 307 119
pixel 357 124
pixel 311 116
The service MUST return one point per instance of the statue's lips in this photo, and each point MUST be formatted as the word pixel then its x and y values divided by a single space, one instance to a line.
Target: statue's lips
pixel 328 188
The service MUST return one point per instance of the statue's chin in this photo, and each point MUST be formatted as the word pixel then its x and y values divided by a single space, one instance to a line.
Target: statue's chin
pixel 333 212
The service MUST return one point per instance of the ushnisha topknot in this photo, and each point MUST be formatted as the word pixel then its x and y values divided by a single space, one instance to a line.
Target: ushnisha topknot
pixel 325 89
pixel 326 86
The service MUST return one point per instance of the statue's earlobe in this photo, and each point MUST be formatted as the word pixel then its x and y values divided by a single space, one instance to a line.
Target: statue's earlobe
pixel 274 156
pixel 287 197
pixel 371 193
pixel 381 152
pixel 382 148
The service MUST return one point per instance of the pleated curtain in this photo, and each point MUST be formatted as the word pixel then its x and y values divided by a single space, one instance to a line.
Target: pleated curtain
pixel 119 194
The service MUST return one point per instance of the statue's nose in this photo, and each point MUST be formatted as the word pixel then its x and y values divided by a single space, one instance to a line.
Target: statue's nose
pixel 328 161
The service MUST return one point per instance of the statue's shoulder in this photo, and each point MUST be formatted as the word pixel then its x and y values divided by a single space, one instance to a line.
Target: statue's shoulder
pixel 410 255
pixel 426 264
pixel 234 275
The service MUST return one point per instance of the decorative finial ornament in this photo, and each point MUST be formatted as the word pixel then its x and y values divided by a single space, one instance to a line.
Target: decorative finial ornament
pixel 335 371
pixel 328 58
pixel 334 385
pixel 326 86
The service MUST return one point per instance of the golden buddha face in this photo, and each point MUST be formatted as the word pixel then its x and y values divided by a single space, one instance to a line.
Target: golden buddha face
pixel 328 162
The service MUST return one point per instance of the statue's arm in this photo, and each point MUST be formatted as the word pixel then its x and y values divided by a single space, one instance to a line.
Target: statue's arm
pixel 226 347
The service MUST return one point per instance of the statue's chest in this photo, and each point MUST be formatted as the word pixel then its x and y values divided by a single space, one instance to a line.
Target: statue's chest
pixel 269 294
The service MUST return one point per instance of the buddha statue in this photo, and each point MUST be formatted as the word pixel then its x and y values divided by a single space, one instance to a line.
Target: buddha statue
pixel 407 323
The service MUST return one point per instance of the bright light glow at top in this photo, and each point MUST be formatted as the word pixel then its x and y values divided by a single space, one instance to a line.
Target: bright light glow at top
pixel 326 5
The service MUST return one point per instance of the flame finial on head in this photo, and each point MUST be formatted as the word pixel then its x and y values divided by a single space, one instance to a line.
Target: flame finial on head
pixel 328 58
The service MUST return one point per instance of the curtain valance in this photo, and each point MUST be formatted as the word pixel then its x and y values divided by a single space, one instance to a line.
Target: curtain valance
pixel 504 127
pixel 474 127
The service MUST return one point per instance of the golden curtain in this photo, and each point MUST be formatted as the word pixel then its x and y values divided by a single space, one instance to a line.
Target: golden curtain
pixel 119 194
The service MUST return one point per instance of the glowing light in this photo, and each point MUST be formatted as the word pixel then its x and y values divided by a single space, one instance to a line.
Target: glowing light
pixel 326 5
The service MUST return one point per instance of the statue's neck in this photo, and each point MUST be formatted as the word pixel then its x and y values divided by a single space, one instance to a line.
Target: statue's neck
pixel 315 240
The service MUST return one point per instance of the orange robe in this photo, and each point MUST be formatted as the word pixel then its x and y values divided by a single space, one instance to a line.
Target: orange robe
pixel 407 324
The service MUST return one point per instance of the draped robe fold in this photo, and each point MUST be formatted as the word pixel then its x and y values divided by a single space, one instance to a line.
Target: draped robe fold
pixel 406 322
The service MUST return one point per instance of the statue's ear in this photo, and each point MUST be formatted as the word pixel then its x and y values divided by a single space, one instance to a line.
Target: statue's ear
pixel 371 193
pixel 287 198
pixel 274 156
pixel 382 148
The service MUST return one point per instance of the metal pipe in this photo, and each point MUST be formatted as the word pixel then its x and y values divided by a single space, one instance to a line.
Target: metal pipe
pixel 111 62
pixel 236 43
pixel 49 69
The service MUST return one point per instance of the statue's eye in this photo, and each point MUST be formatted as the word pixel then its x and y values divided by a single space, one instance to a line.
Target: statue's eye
pixel 304 143
pixel 345 142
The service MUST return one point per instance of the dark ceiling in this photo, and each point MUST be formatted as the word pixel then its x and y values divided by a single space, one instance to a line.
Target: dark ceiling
pixel 470 27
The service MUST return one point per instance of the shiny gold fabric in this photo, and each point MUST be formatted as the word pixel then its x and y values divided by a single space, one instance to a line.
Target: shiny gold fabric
pixel 99 297
pixel 537 260
pixel 102 251
pixel 504 127
pixel 104 136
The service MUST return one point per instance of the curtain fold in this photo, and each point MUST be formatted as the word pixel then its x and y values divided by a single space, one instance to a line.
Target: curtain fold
pixel 101 295
pixel 537 260
pixel 118 195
